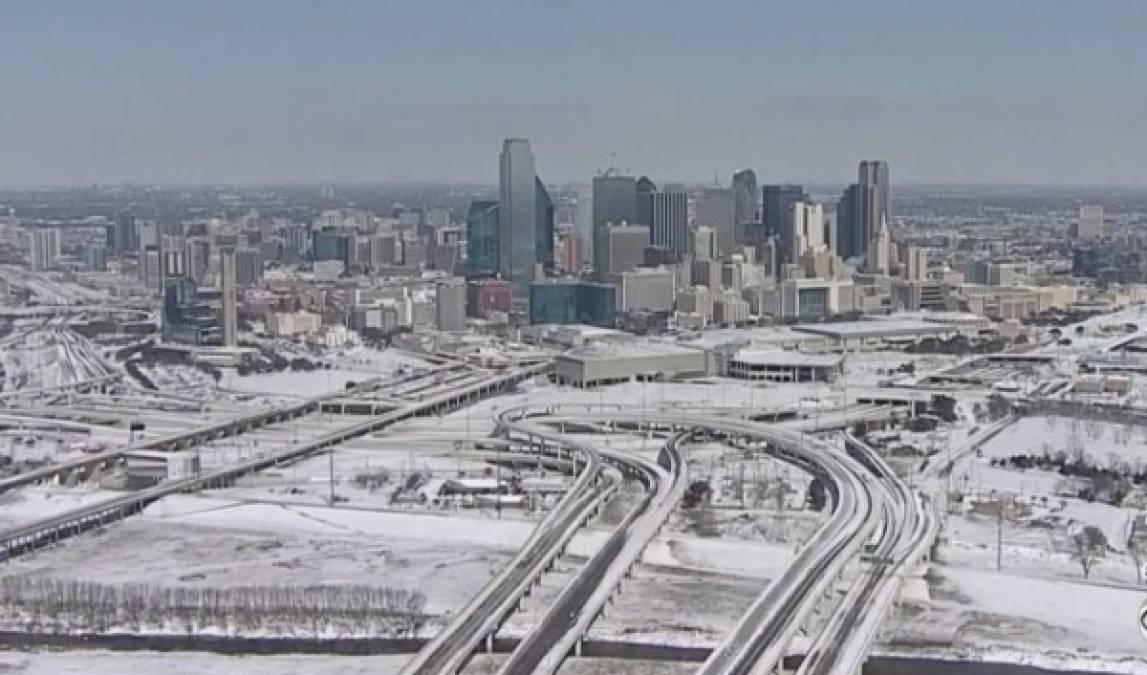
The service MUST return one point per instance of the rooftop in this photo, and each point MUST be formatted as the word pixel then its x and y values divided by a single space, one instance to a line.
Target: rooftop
pixel 783 357
pixel 875 328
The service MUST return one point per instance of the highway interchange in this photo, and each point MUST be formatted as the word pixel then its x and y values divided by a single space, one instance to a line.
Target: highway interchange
pixel 871 514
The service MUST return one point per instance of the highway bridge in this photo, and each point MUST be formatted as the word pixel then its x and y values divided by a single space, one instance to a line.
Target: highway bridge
pixel 908 529
pixel 24 538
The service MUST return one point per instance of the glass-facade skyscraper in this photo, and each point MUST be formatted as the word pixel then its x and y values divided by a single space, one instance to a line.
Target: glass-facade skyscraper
pixel 517 214
pixel 482 239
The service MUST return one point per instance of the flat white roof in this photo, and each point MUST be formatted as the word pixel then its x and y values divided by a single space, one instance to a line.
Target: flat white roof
pixel 876 328
pixel 783 357
pixel 612 349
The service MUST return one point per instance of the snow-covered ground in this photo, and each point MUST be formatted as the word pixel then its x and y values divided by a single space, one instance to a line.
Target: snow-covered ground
pixel 1101 444
pixel 95 662
pixel 1015 617
pixel 48 357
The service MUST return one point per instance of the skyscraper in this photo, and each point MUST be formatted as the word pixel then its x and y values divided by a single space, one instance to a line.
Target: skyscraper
pixel 1091 222
pixel 668 216
pixel 45 248
pixel 482 239
pixel 744 197
pixel 614 199
pixel 645 187
pixel 543 227
pixel 807 226
pixel 517 213
pixel 717 208
pixel 847 245
pixel 872 177
pixel 126 235
pixel 450 304
pixel 614 202
pixel 776 203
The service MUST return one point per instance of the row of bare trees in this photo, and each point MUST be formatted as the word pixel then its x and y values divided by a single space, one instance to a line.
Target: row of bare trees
pixel 66 605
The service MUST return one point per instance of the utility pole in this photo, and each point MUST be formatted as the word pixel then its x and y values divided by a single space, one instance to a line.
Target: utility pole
pixel 1000 535
pixel 331 464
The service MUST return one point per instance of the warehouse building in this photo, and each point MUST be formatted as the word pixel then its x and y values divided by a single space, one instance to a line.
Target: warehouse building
pixel 609 362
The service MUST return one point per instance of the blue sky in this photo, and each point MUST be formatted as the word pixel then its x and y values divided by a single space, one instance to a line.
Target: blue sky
pixel 1030 91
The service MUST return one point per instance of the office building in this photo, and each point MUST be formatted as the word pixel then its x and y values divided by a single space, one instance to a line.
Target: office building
pixel 716 208
pixel 614 200
pixel 517 213
pixel 863 209
pixel 745 197
pixel 484 297
pixel 814 299
pixel 482 239
pixel 45 248
pixel 568 254
pixel 776 202
pixel 668 213
pixel 805 224
pixel 332 244
pixel 703 243
pixel 879 252
pixel 847 239
pixel 915 266
pixel 248 266
pixel 186 318
pixel 645 187
pixel 151 269
pixel 125 235
pixel 1091 224
pixel 450 304
pixel 647 288
pixel 95 258
pixel 543 230
pixel 572 301
pixel 622 248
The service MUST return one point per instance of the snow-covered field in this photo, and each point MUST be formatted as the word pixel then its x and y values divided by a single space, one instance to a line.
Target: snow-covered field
pixel 1015 617
pixel 95 662
pixel 1100 443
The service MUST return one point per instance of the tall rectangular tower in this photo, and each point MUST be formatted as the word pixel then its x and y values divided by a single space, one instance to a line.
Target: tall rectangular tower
pixel 776 202
pixel 872 177
pixel 517 213
pixel 228 319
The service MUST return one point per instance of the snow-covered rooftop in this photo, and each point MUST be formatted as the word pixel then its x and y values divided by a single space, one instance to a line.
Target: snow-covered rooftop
pixel 782 357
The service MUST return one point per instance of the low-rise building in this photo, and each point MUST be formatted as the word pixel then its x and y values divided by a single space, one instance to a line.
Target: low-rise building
pixel 618 361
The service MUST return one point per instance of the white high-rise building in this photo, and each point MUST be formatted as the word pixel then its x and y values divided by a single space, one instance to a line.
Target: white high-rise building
pixel 45 248
pixel 879 251
pixel 517 213
pixel 1091 224
pixel 807 223
pixel 703 243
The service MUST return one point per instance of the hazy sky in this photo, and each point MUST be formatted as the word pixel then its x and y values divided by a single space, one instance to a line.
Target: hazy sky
pixel 1030 91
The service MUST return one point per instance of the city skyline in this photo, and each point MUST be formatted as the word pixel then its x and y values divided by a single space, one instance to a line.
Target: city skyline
pixel 1024 93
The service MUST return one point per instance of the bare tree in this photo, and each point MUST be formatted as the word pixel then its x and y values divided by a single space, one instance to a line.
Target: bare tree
pixel 1090 547
pixel 1135 548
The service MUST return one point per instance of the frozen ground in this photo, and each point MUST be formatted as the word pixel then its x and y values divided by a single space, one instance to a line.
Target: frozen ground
pixel 36 502
pixel 671 606
pixel 1018 618
pixel 301 383
pixel 48 357
pixel 95 662
pixel 186 540
pixel 1100 443
pixel 1038 543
